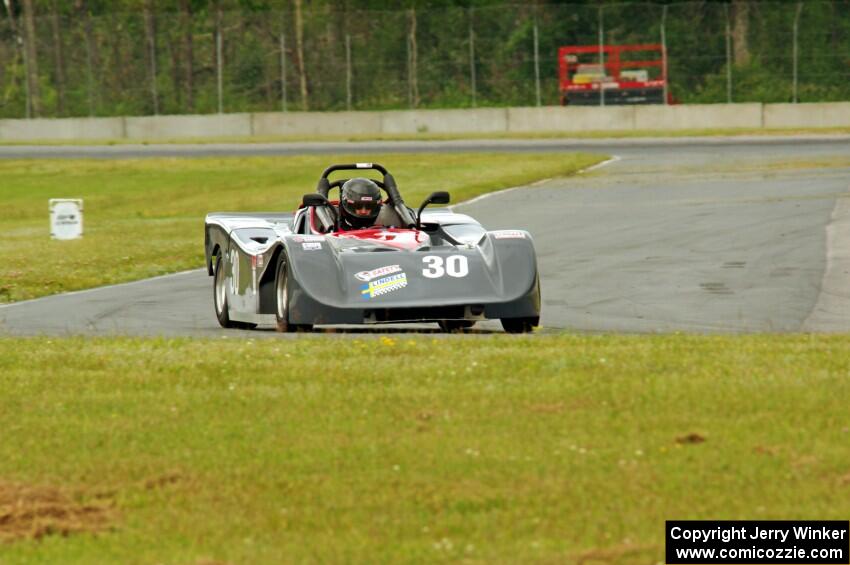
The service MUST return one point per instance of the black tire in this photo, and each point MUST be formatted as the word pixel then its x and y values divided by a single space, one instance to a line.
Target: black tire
pixel 220 295
pixel 220 300
pixel 452 326
pixel 281 292
pixel 520 325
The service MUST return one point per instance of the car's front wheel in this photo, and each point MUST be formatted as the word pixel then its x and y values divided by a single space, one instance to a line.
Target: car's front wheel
pixel 220 294
pixel 520 325
pixel 281 313
pixel 220 298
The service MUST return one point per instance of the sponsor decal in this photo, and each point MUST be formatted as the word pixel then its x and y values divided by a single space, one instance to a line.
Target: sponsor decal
pixel 311 245
pixel 367 276
pixel 509 234
pixel 306 238
pixel 383 286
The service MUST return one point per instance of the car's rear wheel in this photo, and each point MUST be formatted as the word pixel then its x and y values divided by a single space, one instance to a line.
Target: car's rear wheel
pixel 452 326
pixel 520 325
pixel 281 313
pixel 220 298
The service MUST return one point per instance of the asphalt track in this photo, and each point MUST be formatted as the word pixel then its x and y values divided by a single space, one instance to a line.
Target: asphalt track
pixel 696 235
pixel 755 145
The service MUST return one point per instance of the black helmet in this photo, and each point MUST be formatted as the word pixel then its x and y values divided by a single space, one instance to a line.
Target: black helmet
pixel 360 202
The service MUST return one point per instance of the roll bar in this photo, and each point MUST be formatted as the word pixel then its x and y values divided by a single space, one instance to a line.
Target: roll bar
pixel 397 202
pixel 353 167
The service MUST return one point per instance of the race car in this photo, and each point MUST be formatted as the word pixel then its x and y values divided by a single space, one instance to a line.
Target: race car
pixel 297 270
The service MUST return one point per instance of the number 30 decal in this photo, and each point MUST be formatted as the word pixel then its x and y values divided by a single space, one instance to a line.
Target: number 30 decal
pixel 455 266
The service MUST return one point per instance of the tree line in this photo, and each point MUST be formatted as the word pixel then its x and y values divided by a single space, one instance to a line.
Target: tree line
pixel 142 57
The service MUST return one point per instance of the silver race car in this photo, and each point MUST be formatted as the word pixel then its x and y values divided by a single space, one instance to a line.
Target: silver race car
pixel 297 270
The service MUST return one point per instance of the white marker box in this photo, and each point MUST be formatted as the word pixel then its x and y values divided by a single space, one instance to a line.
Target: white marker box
pixel 66 218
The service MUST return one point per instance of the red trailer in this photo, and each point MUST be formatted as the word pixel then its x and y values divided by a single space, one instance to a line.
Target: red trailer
pixel 610 74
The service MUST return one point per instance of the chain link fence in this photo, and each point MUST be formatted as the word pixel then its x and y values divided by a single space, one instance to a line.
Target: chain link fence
pixel 143 63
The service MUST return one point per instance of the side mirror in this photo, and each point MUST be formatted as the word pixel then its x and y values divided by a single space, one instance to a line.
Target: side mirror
pixel 314 199
pixel 439 197
pixel 320 201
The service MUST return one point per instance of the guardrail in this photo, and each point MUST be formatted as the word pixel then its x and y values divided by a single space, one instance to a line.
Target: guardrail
pixel 473 121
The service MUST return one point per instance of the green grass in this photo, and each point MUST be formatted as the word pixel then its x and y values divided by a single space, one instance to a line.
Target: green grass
pixel 549 449
pixel 145 217
pixel 428 136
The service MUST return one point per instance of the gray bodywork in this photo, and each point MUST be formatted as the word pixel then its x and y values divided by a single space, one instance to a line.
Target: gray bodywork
pixel 452 269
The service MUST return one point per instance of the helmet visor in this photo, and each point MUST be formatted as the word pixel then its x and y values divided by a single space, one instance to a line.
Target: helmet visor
pixel 363 207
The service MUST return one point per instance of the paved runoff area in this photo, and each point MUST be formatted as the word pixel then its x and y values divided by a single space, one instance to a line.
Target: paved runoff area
pixel 715 235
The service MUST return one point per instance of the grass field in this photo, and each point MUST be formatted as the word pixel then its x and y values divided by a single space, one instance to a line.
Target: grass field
pixel 365 448
pixel 406 448
pixel 145 217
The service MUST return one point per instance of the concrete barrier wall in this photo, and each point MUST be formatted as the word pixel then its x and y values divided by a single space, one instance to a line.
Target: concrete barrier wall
pixel 315 123
pixel 475 120
pixel 478 120
pixel 823 115
pixel 572 119
pixel 62 128
pixel 698 116
pixel 173 127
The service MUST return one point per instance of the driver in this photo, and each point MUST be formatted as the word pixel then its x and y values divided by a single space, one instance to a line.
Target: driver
pixel 359 204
